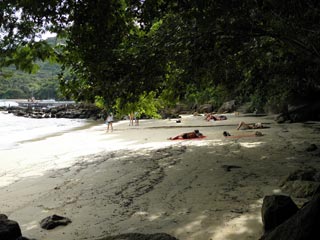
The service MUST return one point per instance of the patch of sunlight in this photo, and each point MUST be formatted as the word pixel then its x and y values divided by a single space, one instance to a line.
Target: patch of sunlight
pixel 154 217
pixel 205 143
pixel 193 226
pixel 145 215
pixel 30 225
pixel 141 213
pixel 276 191
pixel 5 181
pixel 246 225
pixel 34 173
pixel 250 144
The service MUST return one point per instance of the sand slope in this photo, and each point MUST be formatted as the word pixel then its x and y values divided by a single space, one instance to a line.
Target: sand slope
pixel 135 180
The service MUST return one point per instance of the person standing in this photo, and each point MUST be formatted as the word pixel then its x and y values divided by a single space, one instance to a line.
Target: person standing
pixel 109 122
pixel 136 118
pixel 131 117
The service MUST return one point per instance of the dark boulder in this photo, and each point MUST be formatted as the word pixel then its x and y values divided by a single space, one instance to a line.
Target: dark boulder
pixel 54 221
pixel 275 210
pixel 9 230
pixel 205 108
pixel 301 112
pixel 228 107
pixel 304 225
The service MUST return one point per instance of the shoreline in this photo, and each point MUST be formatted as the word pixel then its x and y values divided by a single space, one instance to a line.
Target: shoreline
pixel 135 180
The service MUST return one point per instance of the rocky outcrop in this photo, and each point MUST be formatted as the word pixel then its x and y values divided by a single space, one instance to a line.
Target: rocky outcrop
pixel 9 229
pixel 275 210
pixel 300 113
pixel 228 107
pixel 83 111
pixel 302 183
pixel 205 108
pixel 303 225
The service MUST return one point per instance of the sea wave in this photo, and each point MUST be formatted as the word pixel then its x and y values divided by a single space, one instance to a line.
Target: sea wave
pixel 14 130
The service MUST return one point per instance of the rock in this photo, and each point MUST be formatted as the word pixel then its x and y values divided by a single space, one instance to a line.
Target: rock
pixel 182 109
pixel 304 174
pixel 229 107
pixel 312 148
pixel 300 189
pixel 301 111
pixel 304 225
pixel 281 118
pixel 302 183
pixel 139 236
pixel 275 210
pixel 205 108
pixel 54 221
pixel 9 230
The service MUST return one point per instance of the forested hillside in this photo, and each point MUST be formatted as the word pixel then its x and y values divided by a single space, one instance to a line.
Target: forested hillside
pixel 41 84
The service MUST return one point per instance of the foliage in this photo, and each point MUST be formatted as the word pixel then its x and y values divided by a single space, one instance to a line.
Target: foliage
pixel 202 51
pixel 41 85
pixel 147 106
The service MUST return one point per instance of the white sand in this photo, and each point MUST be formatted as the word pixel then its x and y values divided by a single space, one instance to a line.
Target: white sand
pixel 134 180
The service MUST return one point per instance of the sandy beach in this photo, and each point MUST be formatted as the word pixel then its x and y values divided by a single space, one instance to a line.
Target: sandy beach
pixel 135 180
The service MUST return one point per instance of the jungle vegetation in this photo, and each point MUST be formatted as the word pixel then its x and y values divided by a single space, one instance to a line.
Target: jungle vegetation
pixel 117 52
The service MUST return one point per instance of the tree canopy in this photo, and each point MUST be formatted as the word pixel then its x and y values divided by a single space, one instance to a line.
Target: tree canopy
pixel 263 51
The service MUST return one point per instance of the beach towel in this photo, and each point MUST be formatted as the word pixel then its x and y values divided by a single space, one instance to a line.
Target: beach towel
pixel 195 138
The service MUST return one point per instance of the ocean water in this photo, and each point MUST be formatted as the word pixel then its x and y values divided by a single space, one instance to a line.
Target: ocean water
pixel 15 130
pixel 7 103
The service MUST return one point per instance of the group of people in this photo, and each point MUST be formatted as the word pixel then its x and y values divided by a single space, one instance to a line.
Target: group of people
pixel 188 135
pixel 133 117
pixel 241 126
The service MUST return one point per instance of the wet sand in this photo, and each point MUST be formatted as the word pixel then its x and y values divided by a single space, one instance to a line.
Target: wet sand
pixel 135 180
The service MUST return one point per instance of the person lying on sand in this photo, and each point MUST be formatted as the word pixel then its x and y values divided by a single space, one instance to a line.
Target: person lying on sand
pixel 245 126
pixel 215 118
pixel 255 134
pixel 189 135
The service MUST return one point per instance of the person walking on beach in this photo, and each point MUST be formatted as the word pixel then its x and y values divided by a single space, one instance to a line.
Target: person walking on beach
pixel 131 117
pixel 109 122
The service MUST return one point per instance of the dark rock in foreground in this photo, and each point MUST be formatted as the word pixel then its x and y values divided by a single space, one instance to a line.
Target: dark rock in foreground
pixel 9 230
pixel 54 221
pixel 301 113
pixel 275 210
pixel 139 236
pixel 304 225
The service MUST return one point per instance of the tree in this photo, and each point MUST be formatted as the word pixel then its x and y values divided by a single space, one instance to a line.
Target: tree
pixel 121 49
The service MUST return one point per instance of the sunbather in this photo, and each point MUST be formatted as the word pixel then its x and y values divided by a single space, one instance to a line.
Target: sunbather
pixel 245 126
pixel 215 118
pixel 189 135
